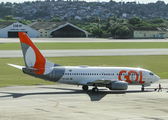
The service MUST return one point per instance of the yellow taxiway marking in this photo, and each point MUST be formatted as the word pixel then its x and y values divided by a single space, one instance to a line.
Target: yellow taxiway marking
pixel 57 104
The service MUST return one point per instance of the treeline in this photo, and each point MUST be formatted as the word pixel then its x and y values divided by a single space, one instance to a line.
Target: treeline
pixel 111 27
pixel 119 28
pixel 5 11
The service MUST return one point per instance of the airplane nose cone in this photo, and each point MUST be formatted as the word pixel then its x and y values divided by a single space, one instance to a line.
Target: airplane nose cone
pixel 157 78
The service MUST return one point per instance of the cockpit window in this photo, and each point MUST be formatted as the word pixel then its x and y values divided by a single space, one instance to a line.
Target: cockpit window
pixel 150 73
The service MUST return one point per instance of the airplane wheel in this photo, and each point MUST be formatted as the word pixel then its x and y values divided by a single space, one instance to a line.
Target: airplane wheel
pixel 142 89
pixel 95 90
pixel 85 87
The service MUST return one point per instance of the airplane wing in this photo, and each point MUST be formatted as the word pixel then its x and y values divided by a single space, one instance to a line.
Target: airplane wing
pixel 16 66
pixel 102 81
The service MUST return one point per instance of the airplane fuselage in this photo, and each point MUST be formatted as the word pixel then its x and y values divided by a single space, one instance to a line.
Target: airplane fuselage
pixel 83 75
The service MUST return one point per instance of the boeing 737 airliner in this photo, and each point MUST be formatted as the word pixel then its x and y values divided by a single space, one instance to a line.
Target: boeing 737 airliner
pixel 114 78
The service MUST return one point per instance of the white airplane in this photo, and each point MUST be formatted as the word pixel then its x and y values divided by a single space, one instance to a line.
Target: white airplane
pixel 114 78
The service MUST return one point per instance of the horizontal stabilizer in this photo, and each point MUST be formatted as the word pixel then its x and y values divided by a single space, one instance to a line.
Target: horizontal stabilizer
pixel 16 66
pixel 27 69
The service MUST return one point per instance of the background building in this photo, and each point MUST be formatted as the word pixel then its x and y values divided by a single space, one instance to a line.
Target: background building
pixel 58 29
pixel 153 33
pixel 41 29
pixel 11 29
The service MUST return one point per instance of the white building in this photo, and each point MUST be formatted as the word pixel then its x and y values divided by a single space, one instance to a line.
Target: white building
pixel 149 33
pixel 11 29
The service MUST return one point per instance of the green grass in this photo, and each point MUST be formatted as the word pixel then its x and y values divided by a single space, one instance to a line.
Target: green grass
pixel 52 46
pixel 14 76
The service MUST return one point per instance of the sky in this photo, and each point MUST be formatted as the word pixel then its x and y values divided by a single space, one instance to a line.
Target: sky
pixel 140 1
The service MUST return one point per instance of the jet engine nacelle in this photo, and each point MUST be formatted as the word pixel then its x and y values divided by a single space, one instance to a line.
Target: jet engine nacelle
pixel 118 85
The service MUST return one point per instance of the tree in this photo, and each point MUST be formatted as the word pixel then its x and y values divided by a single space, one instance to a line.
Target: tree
pixel 134 21
pixel 20 13
pixel 97 20
pixel 91 19
pixel 8 4
pixel 97 32
pixel 9 17
pixel 57 19
pixel 114 28
pixel 39 20
pixel 157 20
pixel 24 22
pixel 5 11
pixel 114 18
pixel 123 31
pixel 27 3
pixel 39 14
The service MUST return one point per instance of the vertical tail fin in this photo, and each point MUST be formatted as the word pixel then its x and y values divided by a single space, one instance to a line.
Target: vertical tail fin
pixel 33 57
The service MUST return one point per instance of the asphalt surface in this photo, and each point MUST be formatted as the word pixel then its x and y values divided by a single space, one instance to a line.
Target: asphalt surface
pixel 87 52
pixel 62 102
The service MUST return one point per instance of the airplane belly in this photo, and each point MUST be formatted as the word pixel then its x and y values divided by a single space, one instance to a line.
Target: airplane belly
pixel 70 80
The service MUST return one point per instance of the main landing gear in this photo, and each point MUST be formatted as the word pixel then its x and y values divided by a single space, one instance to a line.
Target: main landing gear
pixel 142 88
pixel 95 89
pixel 85 87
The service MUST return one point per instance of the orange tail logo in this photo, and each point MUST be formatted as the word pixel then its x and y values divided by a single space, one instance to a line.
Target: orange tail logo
pixel 33 57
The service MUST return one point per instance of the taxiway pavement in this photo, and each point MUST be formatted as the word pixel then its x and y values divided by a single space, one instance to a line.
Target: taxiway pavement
pixel 62 102
pixel 87 52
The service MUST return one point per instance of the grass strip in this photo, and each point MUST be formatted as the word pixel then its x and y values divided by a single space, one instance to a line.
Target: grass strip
pixel 14 76
pixel 110 45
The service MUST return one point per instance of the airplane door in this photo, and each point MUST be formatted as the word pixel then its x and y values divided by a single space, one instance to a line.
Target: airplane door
pixel 143 76
pixel 102 74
